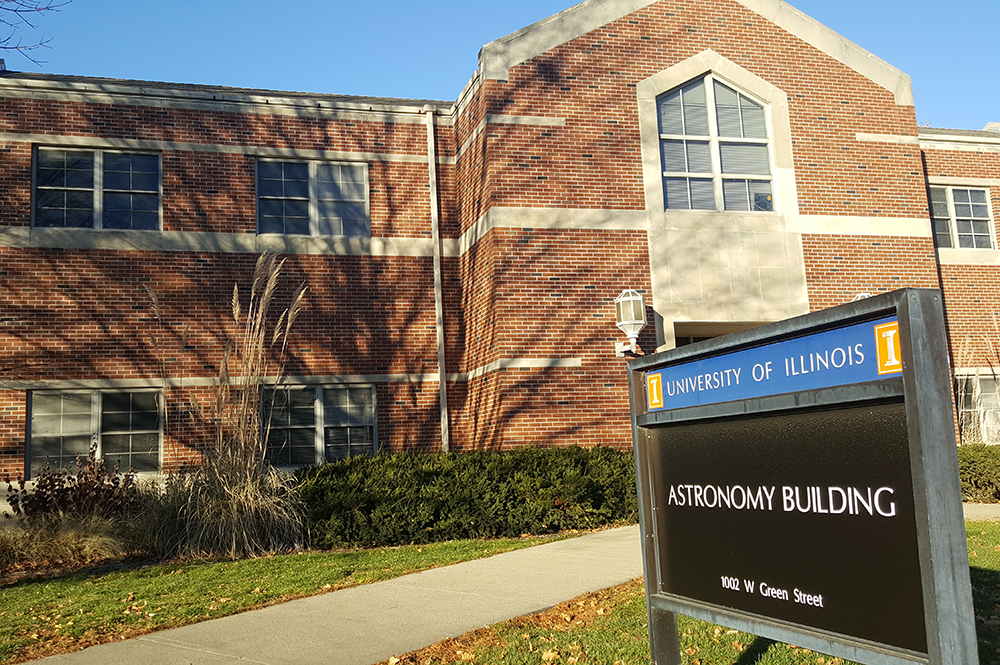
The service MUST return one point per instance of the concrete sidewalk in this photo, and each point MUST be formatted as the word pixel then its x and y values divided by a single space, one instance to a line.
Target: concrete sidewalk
pixel 371 623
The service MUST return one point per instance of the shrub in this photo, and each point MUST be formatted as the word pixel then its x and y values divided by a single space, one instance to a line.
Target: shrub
pixel 94 491
pixel 979 470
pixel 400 498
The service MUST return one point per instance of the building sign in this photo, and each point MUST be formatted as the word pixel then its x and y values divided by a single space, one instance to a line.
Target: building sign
pixel 831 520
pixel 854 354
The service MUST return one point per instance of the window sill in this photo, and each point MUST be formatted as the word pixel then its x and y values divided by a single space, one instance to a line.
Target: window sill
pixel 953 256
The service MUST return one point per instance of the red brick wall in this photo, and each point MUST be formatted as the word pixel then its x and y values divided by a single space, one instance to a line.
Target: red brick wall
pixel 593 161
pixel 840 267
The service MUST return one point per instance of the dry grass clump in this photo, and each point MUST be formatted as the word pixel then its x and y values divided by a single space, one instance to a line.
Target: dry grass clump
pixel 64 541
pixel 234 504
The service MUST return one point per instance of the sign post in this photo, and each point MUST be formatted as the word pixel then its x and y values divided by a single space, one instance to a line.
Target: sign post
pixel 799 481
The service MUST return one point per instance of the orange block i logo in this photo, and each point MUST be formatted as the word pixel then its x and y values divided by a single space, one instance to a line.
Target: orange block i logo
pixel 654 391
pixel 887 344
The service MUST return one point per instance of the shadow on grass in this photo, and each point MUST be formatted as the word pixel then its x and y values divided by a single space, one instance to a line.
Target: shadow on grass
pixel 986 606
pixel 755 652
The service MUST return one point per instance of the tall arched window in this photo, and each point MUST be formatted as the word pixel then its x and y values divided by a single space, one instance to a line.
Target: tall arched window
pixel 715 149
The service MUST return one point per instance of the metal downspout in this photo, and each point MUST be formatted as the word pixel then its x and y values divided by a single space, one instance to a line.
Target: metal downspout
pixel 438 282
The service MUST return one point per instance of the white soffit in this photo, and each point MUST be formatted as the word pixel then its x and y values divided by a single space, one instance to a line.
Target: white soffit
pixel 497 57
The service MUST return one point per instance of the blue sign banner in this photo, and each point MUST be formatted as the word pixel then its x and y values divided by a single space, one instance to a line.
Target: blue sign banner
pixel 854 354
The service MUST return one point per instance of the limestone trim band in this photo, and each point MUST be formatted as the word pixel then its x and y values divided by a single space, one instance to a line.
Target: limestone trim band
pixel 332 379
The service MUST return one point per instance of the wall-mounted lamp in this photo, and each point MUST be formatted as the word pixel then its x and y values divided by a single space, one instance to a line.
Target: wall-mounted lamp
pixel 630 317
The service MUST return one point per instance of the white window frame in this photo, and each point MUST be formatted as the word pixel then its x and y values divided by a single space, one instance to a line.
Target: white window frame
pixel 977 398
pixel 313 198
pixel 953 234
pixel 715 141
pixel 98 186
pixel 95 429
pixel 320 426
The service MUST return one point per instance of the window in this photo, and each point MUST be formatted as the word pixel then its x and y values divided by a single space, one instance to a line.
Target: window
pixel 124 426
pixel 316 424
pixel 978 409
pixel 312 198
pixel 97 189
pixel 714 149
pixel 961 217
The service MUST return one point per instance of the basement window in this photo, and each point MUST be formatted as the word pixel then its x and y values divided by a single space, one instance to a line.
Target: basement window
pixel 124 427
pixel 312 198
pixel 308 425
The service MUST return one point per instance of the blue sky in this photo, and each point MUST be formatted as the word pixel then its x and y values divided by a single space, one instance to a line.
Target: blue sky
pixel 428 50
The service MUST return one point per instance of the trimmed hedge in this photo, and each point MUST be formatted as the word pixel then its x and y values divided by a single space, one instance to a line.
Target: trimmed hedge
pixel 979 469
pixel 401 498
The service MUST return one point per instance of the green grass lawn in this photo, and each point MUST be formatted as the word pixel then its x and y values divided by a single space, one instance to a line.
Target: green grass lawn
pixel 43 616
pixel 49 615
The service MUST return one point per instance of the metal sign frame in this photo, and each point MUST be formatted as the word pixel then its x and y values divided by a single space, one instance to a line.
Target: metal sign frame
pixel 923 388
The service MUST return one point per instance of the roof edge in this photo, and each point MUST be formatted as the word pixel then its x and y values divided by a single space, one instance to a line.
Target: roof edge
pixel 219 95
pixel 497 57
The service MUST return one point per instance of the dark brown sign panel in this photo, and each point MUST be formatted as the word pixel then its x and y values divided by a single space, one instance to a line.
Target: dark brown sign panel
pixel 822 510
pixel 806 517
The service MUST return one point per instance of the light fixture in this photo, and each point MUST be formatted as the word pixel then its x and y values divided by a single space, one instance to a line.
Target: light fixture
pixel 630 317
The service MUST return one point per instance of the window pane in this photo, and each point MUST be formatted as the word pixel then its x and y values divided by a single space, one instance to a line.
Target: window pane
pixel 734 192
pixel 729 122
pixel 145 221
pixel 961 195
pixel 754 125
pixel 760 196
pixel 272 225
pixel 296 209
pixel 271 188
pixel 53 199
pixel 51 178
pixel 670 114
pixel 356 227
pixel 699 158
pixel 351 210
pixel 702 194
pixel 269 170
pixel 297 189
pixel 297 225
pixel 336 444
pixel 327 226
pixel 744 158
pixel 148 182
pixel 695 109
pixel 675 194
pixel 117 181
pixel 983 242
pixel 327 190
pixel 674 160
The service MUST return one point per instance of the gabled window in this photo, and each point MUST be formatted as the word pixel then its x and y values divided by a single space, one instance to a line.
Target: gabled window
pixel 714 148
pixel 125 428
pixel 961 217
pixel 96 189
pixel 312 198
pixel 315 424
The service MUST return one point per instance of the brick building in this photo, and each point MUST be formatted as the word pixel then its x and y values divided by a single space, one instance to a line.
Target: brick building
pixel 735 160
